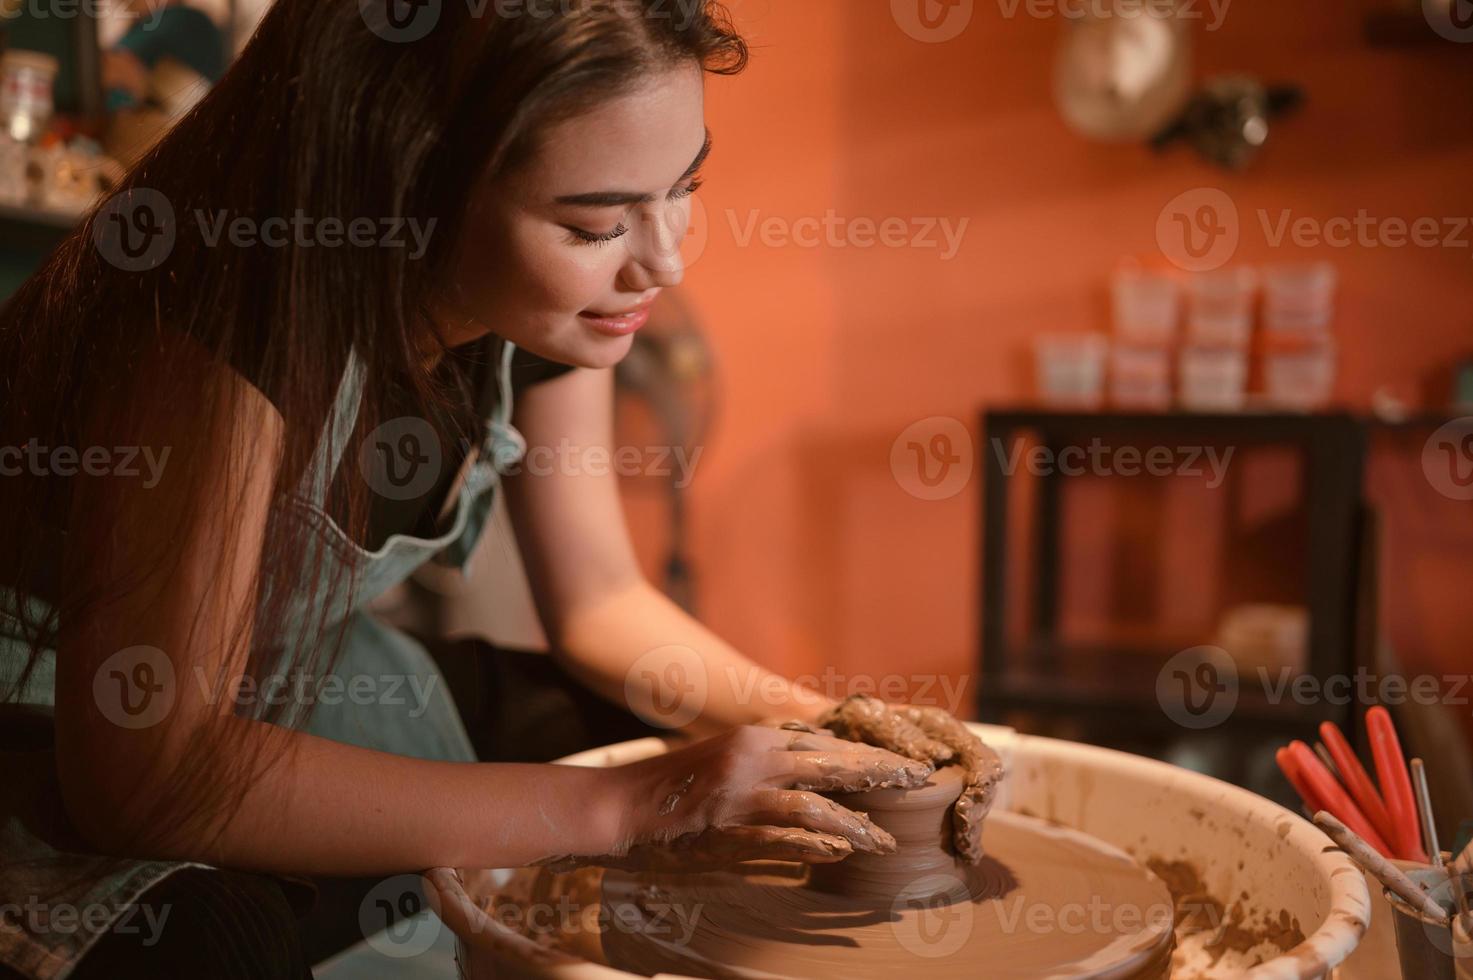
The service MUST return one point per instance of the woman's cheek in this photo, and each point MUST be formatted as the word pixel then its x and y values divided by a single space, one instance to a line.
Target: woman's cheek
pixel 577 277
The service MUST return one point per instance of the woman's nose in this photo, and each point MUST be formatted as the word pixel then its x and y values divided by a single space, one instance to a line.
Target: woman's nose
pixel 654 254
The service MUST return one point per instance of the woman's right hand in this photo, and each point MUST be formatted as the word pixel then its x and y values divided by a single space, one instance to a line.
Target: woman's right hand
pixel 750 794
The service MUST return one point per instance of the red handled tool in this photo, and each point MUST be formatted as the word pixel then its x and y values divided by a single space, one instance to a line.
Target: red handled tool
pixel 1336 800
pixel 1291 772
pixel 1357 781
pixel 1396 785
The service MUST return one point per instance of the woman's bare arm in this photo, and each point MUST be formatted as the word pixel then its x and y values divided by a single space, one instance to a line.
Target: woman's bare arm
pixel 602 616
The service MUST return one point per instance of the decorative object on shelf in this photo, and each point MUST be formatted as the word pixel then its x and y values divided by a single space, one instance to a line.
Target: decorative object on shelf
pixel 1230 119
pixel 26 80
pixel 1123 78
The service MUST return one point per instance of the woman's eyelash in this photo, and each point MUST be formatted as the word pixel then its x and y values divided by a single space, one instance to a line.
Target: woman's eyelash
pixel 578 236
pixel 581 237
pixel 689 188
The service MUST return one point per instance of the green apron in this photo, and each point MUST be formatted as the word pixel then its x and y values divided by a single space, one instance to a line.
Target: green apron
pixel 42 872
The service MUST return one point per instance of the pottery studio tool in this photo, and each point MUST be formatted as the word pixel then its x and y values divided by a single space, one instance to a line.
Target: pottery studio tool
pixel 1290 768
pixel 1396 785
pixel 1334 797
pixel 1357 781
pixel 1456 870
pixel 1424 811
pixel 1382 869
pixel 1324 756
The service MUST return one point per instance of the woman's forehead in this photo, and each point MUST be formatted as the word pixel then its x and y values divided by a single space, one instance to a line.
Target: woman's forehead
pixel 642 141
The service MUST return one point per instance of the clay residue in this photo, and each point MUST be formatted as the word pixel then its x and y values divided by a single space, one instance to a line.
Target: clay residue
pixel 668 806
pixel 1238 929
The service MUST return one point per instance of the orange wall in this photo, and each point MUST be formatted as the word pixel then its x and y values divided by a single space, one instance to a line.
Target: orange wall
pixel 809 552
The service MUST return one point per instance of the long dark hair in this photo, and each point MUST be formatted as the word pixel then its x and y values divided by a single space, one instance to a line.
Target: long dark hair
pixel 336 109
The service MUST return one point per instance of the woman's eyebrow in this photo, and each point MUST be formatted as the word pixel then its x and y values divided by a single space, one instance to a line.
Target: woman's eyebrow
pixel 624 199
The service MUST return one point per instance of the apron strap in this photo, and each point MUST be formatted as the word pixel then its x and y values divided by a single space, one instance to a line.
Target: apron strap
pixel 504 447
pixel 336 433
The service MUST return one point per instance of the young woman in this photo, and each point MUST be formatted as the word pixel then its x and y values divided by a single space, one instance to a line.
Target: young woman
pixel 275 374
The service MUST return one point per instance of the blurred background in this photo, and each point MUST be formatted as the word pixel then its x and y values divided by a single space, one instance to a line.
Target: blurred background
pixel 1098 367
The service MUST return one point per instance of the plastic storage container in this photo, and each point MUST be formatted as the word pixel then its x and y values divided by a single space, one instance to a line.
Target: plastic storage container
pixel 1299 297
pixel 1071 369
pixel 1147 306
pixel 1220 307
pixel 1300 377
pixel 1140 377
pixel 1213 379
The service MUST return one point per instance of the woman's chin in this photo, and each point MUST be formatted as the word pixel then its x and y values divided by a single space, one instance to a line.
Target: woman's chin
pixel 595 352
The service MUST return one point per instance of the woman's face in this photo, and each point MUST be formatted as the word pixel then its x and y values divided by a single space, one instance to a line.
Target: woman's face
pixel 565 256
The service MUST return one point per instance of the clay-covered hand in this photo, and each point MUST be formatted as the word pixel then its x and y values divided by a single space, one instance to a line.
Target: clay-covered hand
pixel 750 794
pixel 928 734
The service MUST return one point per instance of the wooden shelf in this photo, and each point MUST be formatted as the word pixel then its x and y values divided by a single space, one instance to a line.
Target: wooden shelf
pixel 19 214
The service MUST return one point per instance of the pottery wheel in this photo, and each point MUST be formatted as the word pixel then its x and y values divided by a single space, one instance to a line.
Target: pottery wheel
pixel 1046 902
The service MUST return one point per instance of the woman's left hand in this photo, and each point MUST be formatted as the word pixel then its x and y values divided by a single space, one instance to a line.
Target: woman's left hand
pixel 926 734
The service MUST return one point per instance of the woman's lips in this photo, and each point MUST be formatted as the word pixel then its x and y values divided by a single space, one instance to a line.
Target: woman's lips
pixel 617 324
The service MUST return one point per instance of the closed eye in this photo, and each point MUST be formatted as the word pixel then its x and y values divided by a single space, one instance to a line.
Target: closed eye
pixel 686 189
pixel 580 236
